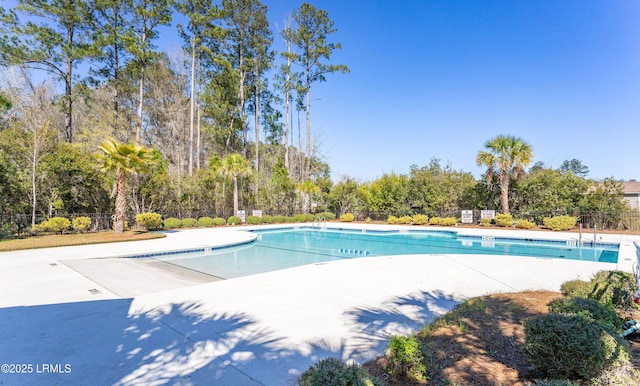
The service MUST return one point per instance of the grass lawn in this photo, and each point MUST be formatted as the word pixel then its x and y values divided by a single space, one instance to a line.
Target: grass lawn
pixel 75 239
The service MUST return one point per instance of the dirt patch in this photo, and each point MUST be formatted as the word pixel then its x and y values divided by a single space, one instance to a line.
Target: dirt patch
pixel 482 342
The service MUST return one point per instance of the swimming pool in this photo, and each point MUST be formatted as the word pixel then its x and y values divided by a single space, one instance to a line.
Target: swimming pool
pixel 282 248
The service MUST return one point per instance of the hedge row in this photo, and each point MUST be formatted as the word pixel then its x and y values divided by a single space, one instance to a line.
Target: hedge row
pixel 154 220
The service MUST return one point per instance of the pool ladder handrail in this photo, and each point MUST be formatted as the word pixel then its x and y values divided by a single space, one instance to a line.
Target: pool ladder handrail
pixel 320 222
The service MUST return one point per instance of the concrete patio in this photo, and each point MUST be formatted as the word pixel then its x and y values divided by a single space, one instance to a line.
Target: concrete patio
pixel 83 315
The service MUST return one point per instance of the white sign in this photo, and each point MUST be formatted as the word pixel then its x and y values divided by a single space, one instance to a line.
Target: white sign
pixel 257 213
pixel 467 217
pixel 242 214
pixel 488 214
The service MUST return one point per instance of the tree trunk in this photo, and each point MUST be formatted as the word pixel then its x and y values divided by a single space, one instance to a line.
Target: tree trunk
pixel 193 102
pixel 504 192
pixel 308 152
pixel 68 103
pixel 141 97
pixel 33 180
pixel 121 205
pixel 235 195
pixel 257 119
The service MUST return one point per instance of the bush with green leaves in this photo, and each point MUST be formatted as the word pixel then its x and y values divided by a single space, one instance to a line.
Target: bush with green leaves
pixel 149 220
pixel 254 220
pixel 420 219
pixel 571 346
pixel 443 221
pixel 189 222
pixel 577 288
pixel 172 223
pixel 278 219
pixel 307 217
pixel 55 225
pixel 504 220
pixel 205 222
pixel 616 288
pixel 525 224
pixel 405 359
pixel 6 230
pixel 81 224
pixel 485 222
pixel 234 220
pixel 334 372
pixel 589 308
pixel 218 221
pixel 404 220
pixel 392 220
pixel 560 223
pixel 266 219
pixel 347 217
pixel 329 216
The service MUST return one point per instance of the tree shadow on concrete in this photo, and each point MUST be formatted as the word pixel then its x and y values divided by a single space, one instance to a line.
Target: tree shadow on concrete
pixel 106 343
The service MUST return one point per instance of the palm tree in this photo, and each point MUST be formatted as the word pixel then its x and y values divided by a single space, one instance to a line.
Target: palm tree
pixel 124 159
pixel 507 156
pixel 235 165
pixel 307 188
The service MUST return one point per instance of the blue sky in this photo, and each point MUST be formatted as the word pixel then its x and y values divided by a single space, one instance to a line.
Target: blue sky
pixel 437 79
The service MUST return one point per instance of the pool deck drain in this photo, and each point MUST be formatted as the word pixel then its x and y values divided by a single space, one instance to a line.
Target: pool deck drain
pixel 264 329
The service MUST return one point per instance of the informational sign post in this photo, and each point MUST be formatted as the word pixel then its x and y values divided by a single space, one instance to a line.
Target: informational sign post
pixel 487 214
pixel 256 213
pixel 467 217
pixel 243 216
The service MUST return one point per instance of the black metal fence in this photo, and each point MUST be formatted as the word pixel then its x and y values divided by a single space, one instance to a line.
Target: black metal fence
pixel 17 224
pixel 620 221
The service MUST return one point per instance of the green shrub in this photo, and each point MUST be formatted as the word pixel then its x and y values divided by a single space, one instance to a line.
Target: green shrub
pixel 485 222
pixel 6 230
pixel 279 219
pixel 189 222
pixel 218 221
pixel 504 220
pixel 405 360
pixel 205 222
pixel 81 224
pixel 560 223
pixel 304 217
pixel 56 225
pixel 578 288
pixel 404 220
pixel 172 223
pixel 570 346
pixel 589 308
pixel 290 219
pixel 616 288
pixel 443 221
pixel 347 217
pixel 525 224
pixel 266 219
pixel 234 220
pixel 392 220
pixel 329 216
pixel 420 219
pixel 254 220
pixel 334 372
pixel 149 220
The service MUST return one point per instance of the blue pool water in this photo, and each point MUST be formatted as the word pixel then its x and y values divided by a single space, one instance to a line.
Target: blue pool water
pixel 285 248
